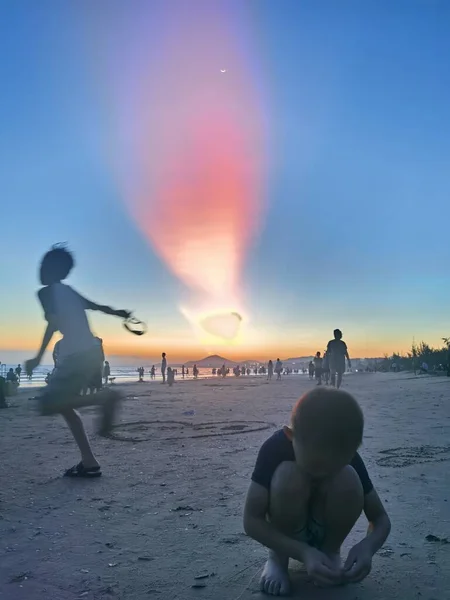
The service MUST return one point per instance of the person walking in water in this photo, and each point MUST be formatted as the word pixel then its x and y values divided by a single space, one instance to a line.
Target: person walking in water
pixel 270 370
pixel 337 353
pixel 153 372
pixel 163 367
pixel 278 369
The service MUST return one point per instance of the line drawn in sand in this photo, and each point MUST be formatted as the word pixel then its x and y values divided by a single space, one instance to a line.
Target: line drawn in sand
pixel 413 455
pixel 143 431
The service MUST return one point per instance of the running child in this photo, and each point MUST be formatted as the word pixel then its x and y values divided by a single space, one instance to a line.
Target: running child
pixel 79 355
pixel 308 489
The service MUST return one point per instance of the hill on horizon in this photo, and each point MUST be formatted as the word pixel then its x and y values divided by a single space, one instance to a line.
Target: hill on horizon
pixel 213 362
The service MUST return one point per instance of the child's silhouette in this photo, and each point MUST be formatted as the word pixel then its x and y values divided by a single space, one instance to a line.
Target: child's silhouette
pixel 78 357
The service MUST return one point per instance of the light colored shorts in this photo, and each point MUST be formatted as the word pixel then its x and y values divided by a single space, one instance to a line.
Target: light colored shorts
pixel 73 374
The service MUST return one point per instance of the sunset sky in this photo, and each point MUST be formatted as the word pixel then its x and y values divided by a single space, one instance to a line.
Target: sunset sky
pixel 287 160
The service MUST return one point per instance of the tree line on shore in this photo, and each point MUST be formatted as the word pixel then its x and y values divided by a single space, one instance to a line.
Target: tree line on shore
pixel 437 359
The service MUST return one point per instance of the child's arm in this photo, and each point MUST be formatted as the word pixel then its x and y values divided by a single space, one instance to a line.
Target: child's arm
pixel 359 561
pixel 30 365
pixel 124 314
pixel 45 299
pixel 347 356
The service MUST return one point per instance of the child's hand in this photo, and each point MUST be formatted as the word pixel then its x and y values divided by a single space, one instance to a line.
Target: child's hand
pixel 359 562
pixel 321 568
pixel 123 314
pixel 30 365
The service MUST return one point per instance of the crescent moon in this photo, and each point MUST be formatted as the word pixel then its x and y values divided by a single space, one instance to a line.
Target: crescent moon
pixel 223 70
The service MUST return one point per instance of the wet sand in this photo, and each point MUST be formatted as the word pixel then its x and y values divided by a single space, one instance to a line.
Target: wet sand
pixel 166 516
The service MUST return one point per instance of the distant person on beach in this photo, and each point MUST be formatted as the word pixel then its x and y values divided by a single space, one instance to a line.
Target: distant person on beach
pixel 18 372
pixel 163 367
pixel 182 371
pixel 337 352
pixel 308 489
pixel 3 403
pixel 318 368
pixel 270 370
pixel 141 374
pixel 153 372
pixel 170 376
pixel 278 369
pixel 65 311
pixel 106 372
pixel 195 371
pixel 11 376
pixel 311 369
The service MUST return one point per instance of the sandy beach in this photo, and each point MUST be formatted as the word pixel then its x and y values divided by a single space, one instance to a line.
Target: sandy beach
pixel 165 520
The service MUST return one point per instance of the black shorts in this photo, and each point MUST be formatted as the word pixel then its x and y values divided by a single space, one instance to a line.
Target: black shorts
pixel 72 375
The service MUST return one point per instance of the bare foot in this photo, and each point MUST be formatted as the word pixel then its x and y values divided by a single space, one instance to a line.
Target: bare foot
pixel 275 578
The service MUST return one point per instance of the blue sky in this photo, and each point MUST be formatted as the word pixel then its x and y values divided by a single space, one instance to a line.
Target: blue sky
pixel 358 135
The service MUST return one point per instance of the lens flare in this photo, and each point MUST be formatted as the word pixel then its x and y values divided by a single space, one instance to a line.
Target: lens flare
pixel 192 165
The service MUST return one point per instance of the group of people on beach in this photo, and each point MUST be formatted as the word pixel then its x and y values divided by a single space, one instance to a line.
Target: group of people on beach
pixel 309 485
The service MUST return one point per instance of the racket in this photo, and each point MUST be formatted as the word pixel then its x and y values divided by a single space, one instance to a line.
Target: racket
pixel 135 326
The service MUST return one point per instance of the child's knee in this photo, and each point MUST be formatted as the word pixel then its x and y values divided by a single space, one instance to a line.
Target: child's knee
pixel 290 491
pixel 347 487
pixel 288 480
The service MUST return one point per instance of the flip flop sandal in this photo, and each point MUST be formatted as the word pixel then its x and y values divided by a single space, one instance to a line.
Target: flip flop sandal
pixel 135 326
pixel 80 470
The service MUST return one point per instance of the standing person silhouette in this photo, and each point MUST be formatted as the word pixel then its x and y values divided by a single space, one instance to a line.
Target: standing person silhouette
pixel 106 372
pixel 270 370
pixel 337 352
pixel 278 369
pixel 163 367
pixel 18 372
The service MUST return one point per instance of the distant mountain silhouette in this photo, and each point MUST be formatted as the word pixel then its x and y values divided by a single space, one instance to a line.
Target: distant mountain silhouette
pixel 213 362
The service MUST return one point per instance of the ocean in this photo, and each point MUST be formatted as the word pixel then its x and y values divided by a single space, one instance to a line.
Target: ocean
pixel 121 374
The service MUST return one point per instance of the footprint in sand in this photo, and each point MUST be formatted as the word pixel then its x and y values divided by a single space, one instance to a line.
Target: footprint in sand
pixel 142 431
